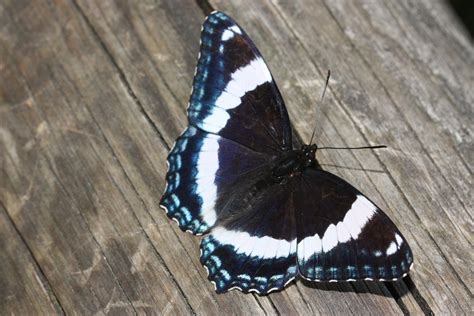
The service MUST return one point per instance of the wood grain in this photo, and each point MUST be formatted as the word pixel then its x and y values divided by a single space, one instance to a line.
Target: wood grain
pixel 93 94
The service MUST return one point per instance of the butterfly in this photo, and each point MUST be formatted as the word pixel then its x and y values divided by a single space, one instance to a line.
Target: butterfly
pixel 271 214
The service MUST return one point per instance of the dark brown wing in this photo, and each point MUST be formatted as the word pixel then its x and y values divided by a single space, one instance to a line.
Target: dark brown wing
pixel 342 235
pixel 253 246
pixel 234 94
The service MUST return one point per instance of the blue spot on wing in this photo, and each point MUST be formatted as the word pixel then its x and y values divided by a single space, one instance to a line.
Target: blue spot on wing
pixel 229 269
pixel 211 77
pixel 181 199
pixel 220 57
pixel 201 166
pixel 366 254
pixel 361 265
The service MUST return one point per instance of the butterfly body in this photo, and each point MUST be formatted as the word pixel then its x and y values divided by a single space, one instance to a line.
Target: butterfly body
pixel 271 213
pixel 292 163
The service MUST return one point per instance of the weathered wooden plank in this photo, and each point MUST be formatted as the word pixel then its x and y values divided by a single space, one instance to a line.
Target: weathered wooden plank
pixel 362 109
pixel 143 26
pixel 90 154
pixel 23 287
pixel 423 89
pixel 183 263
pixel 76 218
pixel 93 94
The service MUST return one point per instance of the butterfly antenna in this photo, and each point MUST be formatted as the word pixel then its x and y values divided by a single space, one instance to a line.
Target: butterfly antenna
pixel 321 104
pixel 363 147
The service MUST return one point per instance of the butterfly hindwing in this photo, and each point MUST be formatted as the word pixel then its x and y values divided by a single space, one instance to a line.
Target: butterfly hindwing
pixel 343 236
pixel 253 248
pixel 234 94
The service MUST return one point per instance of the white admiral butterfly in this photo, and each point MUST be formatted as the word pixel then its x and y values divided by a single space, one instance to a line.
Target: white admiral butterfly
pixel 271 212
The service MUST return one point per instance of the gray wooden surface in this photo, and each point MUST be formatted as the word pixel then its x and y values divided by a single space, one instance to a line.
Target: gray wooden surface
pixel 93 94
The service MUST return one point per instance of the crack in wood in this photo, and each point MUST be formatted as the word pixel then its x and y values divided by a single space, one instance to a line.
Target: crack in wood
pixel 402 307
pixel 45 282
pixel 91 234
pixel 76 48
pixel 160 258
pixel 142 110
pixel 122 76
pixel 414 134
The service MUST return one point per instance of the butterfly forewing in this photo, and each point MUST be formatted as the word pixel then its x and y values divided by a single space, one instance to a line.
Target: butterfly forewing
pixel 234 94
pixel 202 168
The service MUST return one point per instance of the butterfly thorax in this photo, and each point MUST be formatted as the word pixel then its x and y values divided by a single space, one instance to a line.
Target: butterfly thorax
pixel 294 162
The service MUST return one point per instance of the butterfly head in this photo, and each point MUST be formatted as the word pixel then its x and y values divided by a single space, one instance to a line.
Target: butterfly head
pixel 309 152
